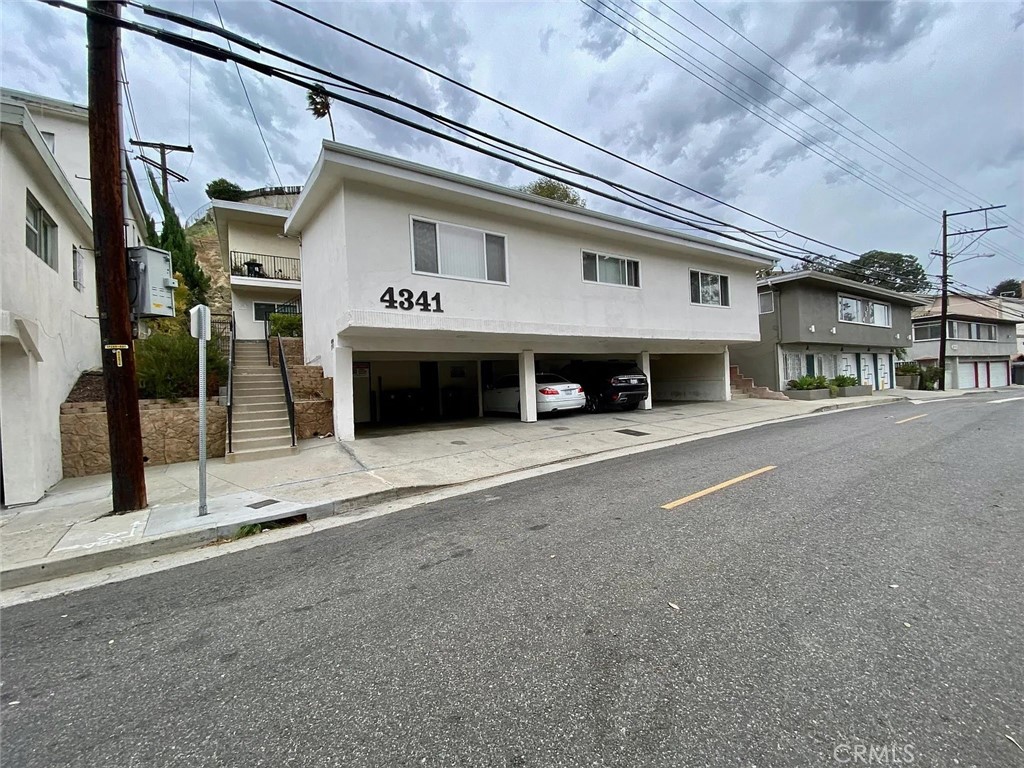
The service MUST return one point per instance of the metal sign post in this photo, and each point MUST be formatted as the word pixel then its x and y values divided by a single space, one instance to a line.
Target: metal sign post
pixel 200 325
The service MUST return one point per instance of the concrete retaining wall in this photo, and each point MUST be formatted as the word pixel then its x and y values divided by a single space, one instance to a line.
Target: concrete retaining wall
pixel 170 433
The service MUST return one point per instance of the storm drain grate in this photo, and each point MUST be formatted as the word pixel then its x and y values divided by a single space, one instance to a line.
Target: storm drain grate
pixel 632 432
pixel 261 504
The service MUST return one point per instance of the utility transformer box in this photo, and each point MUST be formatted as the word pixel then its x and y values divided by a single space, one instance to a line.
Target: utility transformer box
pixel 151 282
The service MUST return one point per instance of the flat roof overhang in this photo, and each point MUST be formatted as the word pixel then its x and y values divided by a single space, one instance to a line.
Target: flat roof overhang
pixel 338 163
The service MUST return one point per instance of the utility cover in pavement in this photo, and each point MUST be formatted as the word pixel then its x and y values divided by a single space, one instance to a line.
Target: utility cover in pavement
pixel 261 504
pixel 631 432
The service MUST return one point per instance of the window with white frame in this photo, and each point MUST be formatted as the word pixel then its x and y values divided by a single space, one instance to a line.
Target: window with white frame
pixel 927 331
pixel 864 312
pixel 766 302
pixel 78 268
pixel 709 289
pixel 450 250
pixel 612 270
pixel 972 331
pixel 40 231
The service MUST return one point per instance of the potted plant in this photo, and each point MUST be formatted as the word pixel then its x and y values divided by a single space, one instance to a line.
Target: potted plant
pixel 908 375
pixel 849 386
pixel 808 388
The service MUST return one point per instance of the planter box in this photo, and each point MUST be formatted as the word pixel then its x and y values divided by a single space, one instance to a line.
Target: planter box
pixel 858 390
pixel 808 394
pixel 910 381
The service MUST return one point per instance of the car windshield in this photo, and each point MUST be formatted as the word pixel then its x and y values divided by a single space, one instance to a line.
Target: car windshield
pixel 550 378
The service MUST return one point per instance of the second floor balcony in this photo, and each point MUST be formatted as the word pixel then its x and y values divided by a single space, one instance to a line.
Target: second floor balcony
pixel 265 266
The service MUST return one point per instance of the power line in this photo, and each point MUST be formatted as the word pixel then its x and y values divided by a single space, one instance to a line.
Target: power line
pixel 249 101
pixel 835 104
pixel 221 54
pixel 853 138
pixel 902 199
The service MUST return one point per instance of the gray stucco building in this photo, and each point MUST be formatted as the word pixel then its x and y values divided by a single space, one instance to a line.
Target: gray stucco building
pixel 818 324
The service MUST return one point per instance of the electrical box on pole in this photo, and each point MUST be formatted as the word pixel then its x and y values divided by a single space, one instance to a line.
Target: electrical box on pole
pixel 152 273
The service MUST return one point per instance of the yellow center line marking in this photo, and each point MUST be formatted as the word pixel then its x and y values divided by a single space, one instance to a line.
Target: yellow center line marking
pixel 720 486
pixel 904 421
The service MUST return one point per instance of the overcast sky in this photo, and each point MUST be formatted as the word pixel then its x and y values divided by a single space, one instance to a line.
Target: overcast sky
pixel 942 82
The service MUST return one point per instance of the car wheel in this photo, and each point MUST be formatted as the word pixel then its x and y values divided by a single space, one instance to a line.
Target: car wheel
pixel 591 404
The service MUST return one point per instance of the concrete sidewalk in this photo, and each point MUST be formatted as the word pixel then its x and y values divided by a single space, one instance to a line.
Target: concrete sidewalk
pixel 69 532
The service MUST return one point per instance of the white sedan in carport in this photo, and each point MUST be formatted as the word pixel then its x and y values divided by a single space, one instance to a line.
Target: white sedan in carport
pixel 553 394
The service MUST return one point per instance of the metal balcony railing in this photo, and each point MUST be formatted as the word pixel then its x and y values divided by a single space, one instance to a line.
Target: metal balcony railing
pixel 263 265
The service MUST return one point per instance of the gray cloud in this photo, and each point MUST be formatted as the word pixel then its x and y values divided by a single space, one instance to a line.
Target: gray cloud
pixel 601 38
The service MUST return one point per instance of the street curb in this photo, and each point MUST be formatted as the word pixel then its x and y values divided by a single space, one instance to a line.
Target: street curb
pixel 845 406
pixel 39 571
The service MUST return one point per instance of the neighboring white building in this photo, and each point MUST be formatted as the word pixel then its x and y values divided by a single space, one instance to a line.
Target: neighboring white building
pixel 49 333
pixel 263 264
pixel 981 339
pixel 416 280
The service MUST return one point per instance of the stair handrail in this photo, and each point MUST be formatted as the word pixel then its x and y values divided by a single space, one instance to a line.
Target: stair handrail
pixel 286 380
pixel 231 375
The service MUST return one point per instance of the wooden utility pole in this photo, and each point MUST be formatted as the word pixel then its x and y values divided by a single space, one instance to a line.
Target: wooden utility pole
pixel 944 312
pixel 164 170
pixel 944 315
pixel 123 426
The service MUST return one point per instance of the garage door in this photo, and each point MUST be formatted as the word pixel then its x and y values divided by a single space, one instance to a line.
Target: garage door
pixel 999 374
pixel 965 376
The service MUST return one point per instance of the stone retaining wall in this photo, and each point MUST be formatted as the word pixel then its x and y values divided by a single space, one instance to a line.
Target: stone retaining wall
pixel 170 433
pixel 313 418
pixel 293 352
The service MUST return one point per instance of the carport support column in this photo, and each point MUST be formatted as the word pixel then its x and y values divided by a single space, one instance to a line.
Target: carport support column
pixel 527 387
pixel 727 393
pixel 344 396
pixel 643 362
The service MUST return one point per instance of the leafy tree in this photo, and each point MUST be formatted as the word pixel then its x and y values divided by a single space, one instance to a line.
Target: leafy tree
pixel 895 271
pixel 1010 285
pixel 183 254
pixel 319 104
pixel 554 190
pixel 222 189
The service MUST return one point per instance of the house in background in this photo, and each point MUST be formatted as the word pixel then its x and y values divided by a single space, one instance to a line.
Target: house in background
pixel 263 264
pixel 817 324
pixel 49 333
pixel 422 287
pixel 981 339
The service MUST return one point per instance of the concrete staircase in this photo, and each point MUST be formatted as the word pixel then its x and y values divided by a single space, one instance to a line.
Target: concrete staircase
pixel 743 387
pixel 259 409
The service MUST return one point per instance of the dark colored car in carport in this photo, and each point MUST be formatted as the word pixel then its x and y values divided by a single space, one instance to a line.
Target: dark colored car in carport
pixel 609 383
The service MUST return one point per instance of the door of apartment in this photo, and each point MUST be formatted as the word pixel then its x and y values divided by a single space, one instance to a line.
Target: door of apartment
pixel 982 374
pixel 868 364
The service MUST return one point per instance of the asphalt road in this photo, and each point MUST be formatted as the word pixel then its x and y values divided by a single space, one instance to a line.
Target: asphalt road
pixel 868 593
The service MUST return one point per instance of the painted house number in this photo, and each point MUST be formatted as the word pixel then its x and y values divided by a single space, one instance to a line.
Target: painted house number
pixel 405 300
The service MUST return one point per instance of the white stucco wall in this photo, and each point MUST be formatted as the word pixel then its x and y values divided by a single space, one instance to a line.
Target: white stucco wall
pixel 261 238
pixel 68 335
pixel 546 294
pixel 242 300
pixel 324 281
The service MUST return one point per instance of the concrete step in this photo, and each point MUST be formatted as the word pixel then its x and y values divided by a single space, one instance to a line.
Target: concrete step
pixel 259 388
pixel 253 398
pixel 247 420
pixel 267 410
pixel 740 396
pixel 254 454
pixel 258 430
pixel 271 441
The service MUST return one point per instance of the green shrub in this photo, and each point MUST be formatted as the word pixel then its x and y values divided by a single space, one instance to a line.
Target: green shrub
pixel 808 382
pixel 289 326
pixel 930 376
pixel 167 366
pixel 842 380
pixel 908 369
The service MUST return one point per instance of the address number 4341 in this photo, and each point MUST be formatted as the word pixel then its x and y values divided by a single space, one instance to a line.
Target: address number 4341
pixel 406 301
